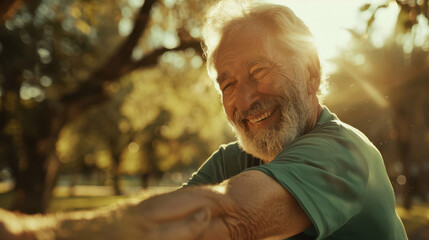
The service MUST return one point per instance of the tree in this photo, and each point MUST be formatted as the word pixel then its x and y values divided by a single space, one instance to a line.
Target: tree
pixel 393 73
pixel 50 76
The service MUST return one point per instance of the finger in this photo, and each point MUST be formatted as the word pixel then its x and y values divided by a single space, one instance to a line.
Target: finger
pixel 186 229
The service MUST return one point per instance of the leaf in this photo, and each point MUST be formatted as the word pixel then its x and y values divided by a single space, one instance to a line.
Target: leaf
pixel 354 33
pixel 365 7
pixel 371 20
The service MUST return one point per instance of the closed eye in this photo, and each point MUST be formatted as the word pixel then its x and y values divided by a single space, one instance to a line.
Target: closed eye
pixel 228 85
pixel 259 73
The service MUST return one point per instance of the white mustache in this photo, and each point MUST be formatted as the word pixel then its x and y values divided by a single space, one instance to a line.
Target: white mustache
pixel 240 117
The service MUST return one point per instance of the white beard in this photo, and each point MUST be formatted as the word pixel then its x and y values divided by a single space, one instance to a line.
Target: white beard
pixel 267 143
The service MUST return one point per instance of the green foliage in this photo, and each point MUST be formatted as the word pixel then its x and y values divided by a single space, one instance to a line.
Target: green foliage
pixel 180 87
pixel 171 113
pixel 381 87
pixel 66 72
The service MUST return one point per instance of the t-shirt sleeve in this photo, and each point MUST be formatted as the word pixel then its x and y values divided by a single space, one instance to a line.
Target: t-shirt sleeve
pixel 327 176
pixel 211 172
pixel 222 164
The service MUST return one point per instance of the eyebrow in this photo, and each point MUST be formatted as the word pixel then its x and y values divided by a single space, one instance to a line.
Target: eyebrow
pixel 252 62
pixel 258 60
pixel 221 78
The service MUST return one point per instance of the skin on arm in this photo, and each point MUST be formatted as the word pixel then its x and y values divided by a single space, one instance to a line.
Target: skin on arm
pixel 266 206
pixel 250 205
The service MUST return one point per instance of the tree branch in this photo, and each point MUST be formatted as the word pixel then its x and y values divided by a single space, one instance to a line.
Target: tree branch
pixel 122 56
pixel 8 9
pixel 152 58
pixel 91 91
pixel 112 69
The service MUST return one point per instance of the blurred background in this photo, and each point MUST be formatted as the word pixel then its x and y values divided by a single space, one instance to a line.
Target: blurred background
pixel 102 101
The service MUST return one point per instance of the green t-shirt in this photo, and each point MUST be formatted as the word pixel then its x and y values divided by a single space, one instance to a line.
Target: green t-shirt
pixel 336 174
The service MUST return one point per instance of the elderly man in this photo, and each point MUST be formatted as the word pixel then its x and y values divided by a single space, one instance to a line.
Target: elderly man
pixel 296 172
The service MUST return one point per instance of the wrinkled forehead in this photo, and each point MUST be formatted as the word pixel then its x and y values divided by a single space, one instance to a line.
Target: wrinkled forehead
pixel 255 37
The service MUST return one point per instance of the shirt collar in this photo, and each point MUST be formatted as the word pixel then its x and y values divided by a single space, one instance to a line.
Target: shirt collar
pixel 326 116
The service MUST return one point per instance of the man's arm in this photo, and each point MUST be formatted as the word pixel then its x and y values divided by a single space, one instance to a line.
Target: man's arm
pixel 250 205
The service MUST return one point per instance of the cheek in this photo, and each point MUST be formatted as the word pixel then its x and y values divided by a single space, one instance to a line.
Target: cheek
pixel 275 85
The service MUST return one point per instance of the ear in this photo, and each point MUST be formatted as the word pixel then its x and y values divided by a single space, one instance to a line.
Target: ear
pixel 313 81
pixel 312 85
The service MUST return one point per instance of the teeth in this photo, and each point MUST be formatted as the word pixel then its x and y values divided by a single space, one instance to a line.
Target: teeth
pixel 262 117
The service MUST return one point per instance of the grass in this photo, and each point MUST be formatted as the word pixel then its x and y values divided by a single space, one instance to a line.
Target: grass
pixel 415 218
pixel 63 202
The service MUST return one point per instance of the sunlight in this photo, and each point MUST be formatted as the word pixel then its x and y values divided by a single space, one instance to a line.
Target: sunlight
pixel 329 20
pixel 384 24
pixel 133 147
pixel 125 26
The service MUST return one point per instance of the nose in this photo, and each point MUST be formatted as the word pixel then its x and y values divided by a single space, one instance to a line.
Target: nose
pixel 246 94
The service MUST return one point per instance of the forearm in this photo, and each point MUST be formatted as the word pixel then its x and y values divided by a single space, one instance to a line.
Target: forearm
pixel 104 223
pixel 152 219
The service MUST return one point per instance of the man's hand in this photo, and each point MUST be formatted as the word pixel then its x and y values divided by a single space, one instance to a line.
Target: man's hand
pixel 189 213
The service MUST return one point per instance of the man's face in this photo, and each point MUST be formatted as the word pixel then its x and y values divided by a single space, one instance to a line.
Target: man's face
pixel 263 91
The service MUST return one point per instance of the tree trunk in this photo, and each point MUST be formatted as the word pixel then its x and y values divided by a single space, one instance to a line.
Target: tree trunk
pixel 407 193
pixel 402 124
pixel 35 182
pixel 145 180
pixel 116 186
pixel 116 174
pixel 38 165
pixel 72 183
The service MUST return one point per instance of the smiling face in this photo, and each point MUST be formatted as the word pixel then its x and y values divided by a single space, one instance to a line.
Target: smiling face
pixel 264 92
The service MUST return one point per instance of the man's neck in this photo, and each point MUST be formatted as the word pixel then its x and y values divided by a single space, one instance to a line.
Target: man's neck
pixel 313 117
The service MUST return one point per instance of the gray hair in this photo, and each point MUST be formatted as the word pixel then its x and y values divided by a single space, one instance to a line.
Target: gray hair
pixel 227 16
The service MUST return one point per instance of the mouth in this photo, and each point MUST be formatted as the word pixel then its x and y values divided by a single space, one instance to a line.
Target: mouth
pixel 261 117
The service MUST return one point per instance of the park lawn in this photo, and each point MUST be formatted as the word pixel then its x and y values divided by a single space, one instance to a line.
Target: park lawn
pixel 417 217
pixel 61 202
